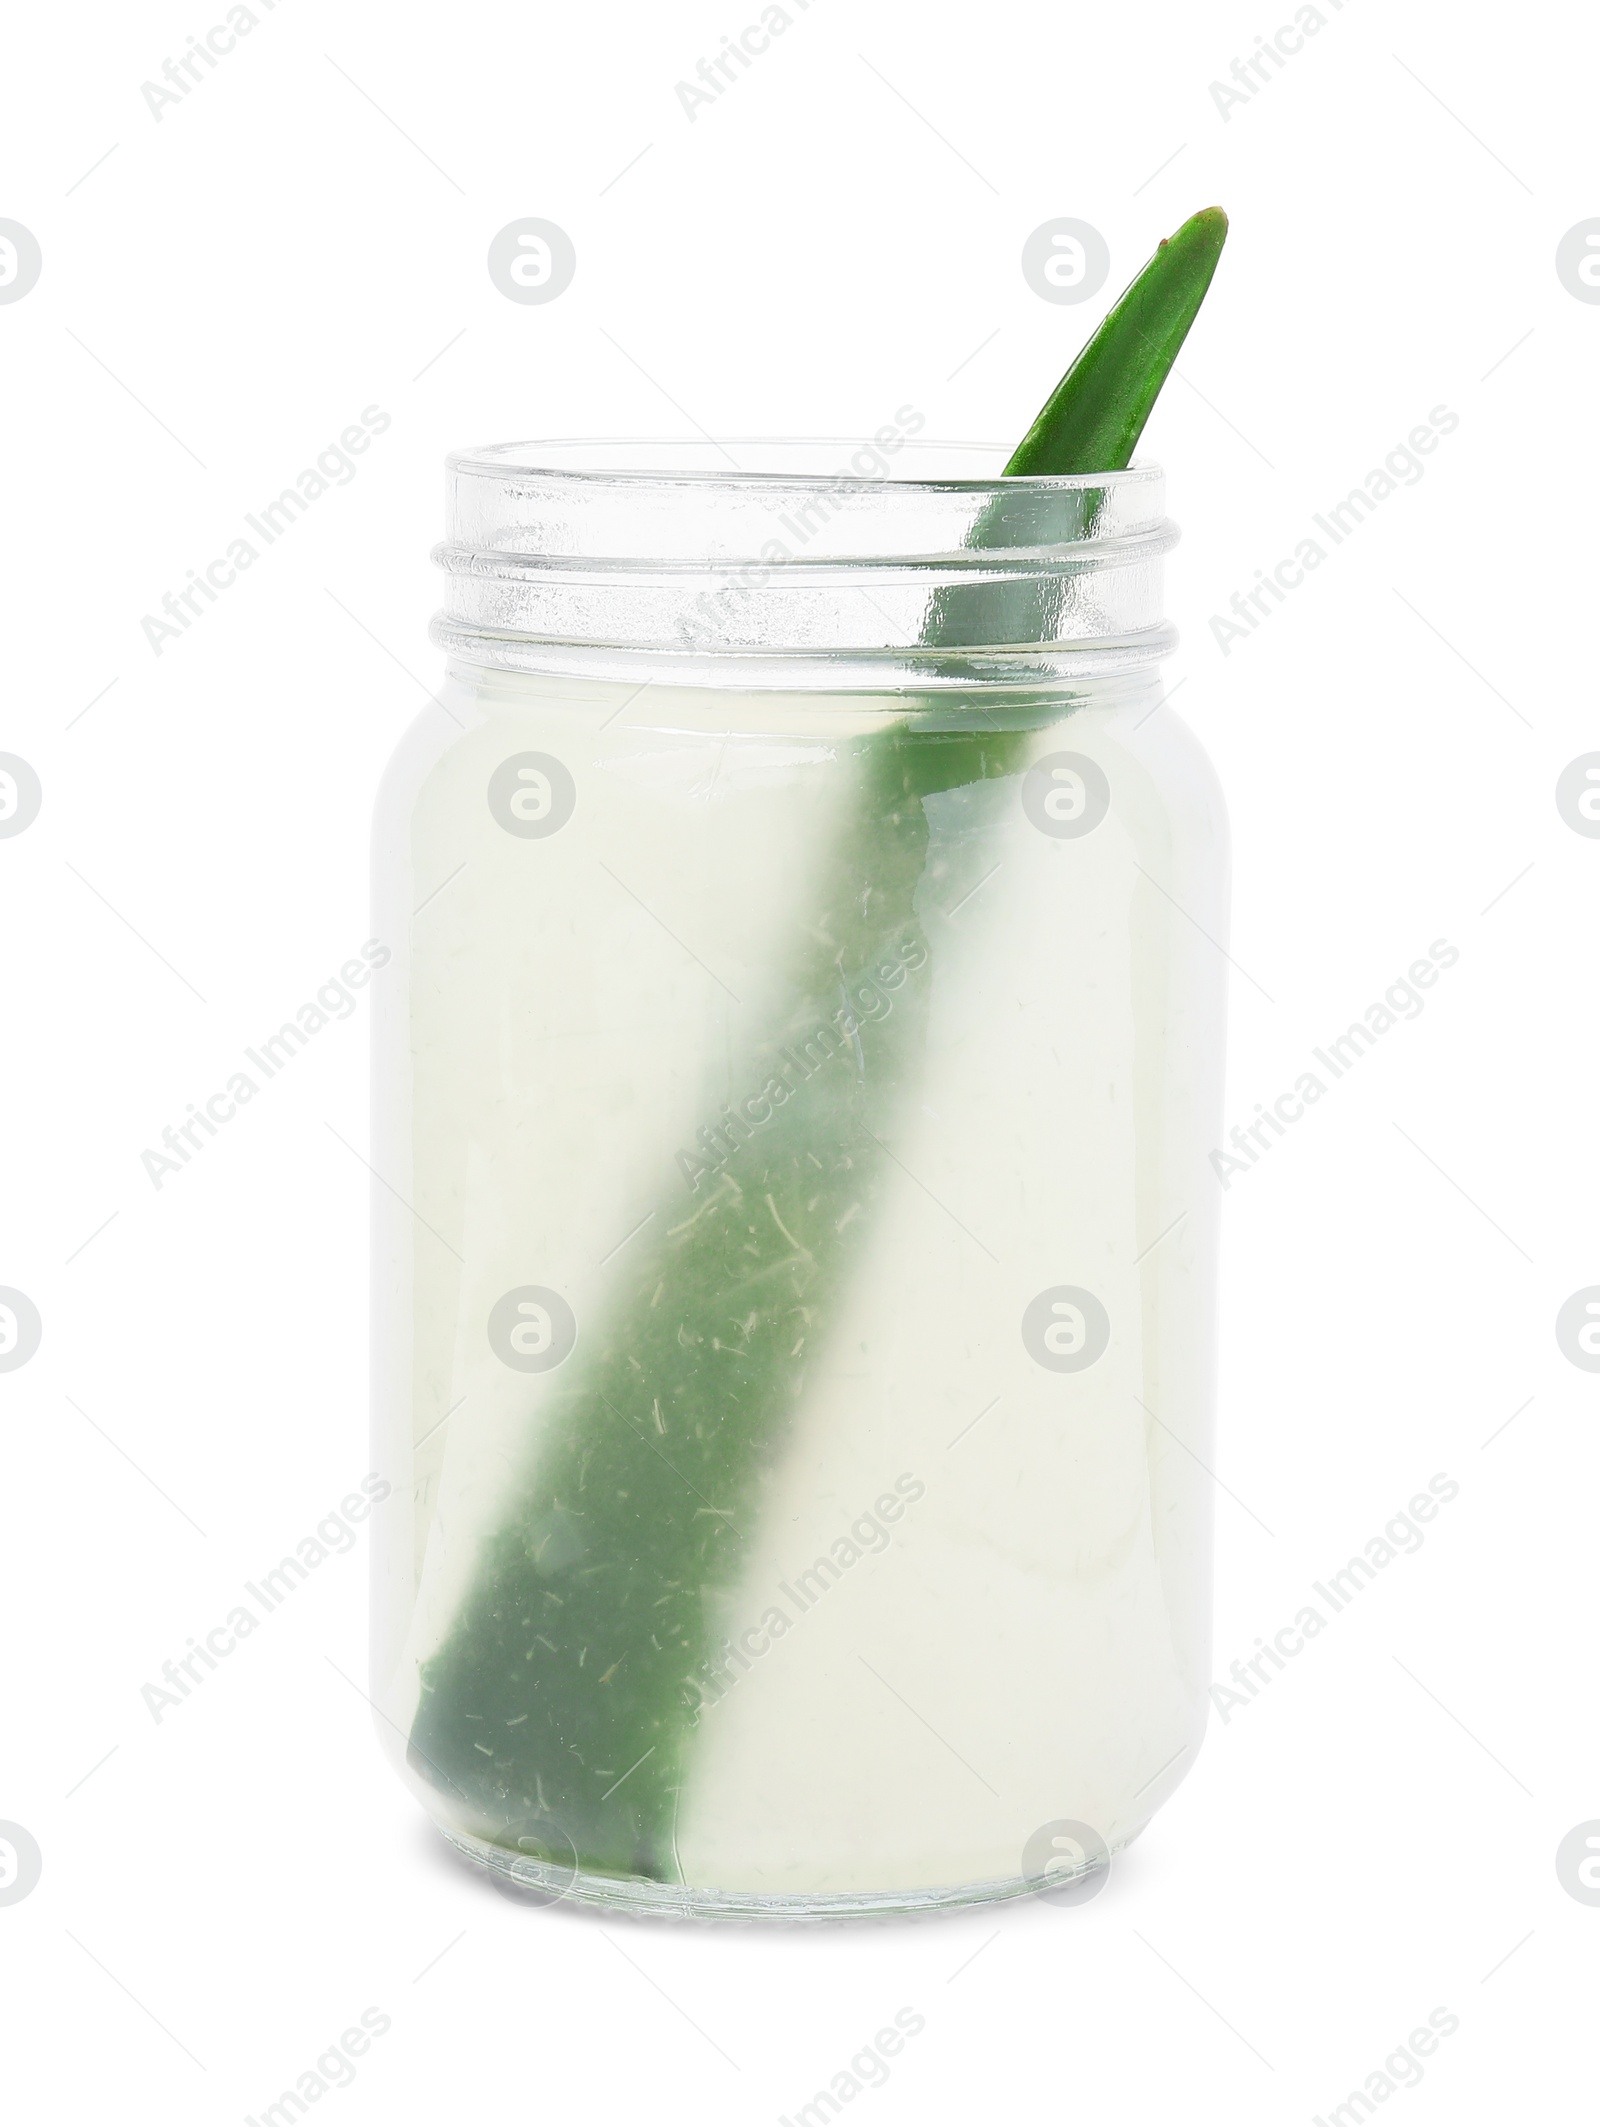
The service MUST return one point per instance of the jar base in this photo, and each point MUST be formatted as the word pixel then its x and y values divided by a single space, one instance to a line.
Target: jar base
pixel 531 1882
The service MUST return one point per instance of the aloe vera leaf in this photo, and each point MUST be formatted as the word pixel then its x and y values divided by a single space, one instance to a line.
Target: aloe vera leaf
pixel 559 1709
pixel 560 1705
pixel 1092 421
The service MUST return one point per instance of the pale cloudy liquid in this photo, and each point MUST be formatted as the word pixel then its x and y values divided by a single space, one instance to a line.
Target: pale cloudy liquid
pixel 973 1599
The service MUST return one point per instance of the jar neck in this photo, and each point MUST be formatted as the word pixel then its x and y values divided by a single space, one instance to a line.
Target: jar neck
pixel 584 560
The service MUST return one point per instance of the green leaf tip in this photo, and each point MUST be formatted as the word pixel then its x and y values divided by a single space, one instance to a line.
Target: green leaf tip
pixel 1092 421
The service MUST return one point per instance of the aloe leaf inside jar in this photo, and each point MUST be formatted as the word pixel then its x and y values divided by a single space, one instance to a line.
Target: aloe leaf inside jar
pixel 560 1710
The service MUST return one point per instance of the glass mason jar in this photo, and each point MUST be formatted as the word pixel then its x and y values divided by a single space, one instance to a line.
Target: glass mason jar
pixel 795 1237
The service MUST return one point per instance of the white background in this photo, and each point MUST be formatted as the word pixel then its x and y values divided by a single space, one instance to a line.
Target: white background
pixel 302 236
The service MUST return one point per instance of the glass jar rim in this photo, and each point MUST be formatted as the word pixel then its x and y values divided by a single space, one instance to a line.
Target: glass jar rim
pixel 715 461
pixel 914 552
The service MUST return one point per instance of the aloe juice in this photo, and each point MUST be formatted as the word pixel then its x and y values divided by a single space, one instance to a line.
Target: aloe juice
pixel 796 1062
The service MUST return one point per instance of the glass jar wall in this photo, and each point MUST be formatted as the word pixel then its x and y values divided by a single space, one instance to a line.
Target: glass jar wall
pixel 795 1237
